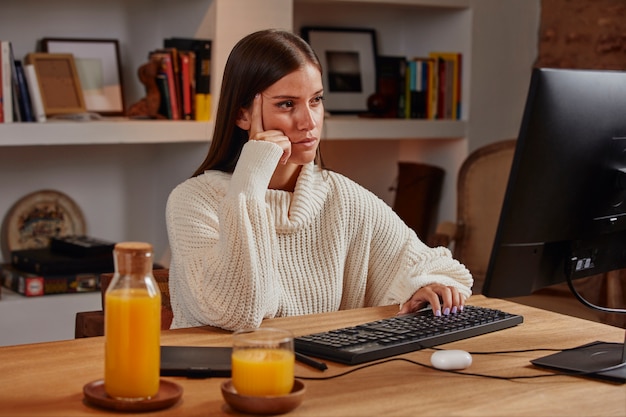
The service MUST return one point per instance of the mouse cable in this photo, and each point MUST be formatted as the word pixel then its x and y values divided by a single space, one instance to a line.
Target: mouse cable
pixel 506 378
pixel 502 352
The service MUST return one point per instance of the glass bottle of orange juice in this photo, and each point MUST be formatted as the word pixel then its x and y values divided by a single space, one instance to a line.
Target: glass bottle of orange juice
pixel 132 325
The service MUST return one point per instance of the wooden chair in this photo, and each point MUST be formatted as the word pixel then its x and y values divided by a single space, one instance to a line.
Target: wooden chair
pixel 481 184
pixel 91 323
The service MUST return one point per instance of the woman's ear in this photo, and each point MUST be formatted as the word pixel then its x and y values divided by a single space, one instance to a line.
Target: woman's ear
pixel 243 119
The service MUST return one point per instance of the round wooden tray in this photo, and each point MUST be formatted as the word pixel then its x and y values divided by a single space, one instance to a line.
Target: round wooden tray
pixel 168 395
pixel 36 217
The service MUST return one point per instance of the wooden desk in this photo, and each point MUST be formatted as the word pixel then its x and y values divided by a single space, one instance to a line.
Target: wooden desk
pixel 47 378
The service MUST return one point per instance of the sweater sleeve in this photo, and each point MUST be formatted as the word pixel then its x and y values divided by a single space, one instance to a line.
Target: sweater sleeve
pixel 399 263
pixel 223 252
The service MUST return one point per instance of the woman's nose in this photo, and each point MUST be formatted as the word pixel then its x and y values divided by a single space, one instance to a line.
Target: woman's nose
pixel 306 119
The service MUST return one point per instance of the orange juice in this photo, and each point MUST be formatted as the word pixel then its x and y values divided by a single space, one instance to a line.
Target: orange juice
pixel 132 349
pixel 261 371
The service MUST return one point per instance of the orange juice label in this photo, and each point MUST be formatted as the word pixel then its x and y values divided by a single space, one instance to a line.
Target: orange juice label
pixel 261 372
pixel 132 348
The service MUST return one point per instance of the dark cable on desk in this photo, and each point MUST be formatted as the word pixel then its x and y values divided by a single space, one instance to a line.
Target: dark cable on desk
pixel 506 378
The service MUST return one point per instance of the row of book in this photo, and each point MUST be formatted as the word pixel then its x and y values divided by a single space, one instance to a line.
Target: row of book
pixel 184 78
pixel 20 96
pixel 70 264
pixel 422 87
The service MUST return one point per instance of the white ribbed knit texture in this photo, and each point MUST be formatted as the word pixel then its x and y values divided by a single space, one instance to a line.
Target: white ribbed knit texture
pixel 241 252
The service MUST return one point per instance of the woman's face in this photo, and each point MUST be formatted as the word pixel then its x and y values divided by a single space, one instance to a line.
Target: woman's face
pixel 294 106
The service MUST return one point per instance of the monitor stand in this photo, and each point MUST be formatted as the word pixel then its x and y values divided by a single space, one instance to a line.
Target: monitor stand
pixel 587 359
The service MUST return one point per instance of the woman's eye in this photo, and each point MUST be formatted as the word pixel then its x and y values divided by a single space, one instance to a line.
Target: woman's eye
pixel 285 104
pixel 318 99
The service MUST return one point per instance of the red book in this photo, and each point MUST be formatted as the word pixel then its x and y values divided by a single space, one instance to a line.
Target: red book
pixel 186 84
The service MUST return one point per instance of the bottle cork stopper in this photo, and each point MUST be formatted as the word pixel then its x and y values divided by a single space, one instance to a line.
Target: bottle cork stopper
pixel 133 257
pixel 133 247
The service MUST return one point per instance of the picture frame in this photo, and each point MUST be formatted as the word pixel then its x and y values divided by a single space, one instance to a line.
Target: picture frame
pixel 99 68
pixel 348 59
pixel 58 82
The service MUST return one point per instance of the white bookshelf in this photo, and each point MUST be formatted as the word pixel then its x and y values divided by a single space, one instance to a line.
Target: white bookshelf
pixel 120 172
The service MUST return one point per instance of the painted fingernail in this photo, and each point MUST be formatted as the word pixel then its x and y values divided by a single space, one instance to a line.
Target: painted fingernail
pixel 446 311
pixel 454 310
pixel 461 308
pixel 438 313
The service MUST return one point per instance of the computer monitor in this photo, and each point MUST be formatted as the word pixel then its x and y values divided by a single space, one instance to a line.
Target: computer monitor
pixel 564 211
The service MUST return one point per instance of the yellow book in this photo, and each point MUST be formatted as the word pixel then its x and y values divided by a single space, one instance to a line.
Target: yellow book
pixel 203 106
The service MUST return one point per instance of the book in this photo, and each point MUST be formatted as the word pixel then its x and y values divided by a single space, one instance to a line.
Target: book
pixel 391 71
pixel 165 108
pixel 6 85
pixel 433 86
pixel 166 68
pixel 202 52
pixel 450 77
pixel 81 246
pixel 45 261
pixel 23 94
pixel 175 62
pixel 187 83
pixel 17 113
pixel 420 70
pixel 39 113
pixel 30 284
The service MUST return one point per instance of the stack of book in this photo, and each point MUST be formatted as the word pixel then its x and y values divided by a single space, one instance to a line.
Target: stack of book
pixel 20 96
pixel 184 78
pixel 422 87
pixel 71 264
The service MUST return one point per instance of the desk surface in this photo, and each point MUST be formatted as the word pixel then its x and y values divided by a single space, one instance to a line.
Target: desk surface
pixel 48 378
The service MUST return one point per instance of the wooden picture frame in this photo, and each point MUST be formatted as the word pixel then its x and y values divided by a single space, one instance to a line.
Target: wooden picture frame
pixel 58 81
pixel 348 59
pixel 99 69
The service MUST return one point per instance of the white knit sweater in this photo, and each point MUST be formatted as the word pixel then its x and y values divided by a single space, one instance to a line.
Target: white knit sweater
pixel 242 252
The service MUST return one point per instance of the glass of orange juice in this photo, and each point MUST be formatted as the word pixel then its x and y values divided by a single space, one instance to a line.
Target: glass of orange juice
pixel 263 362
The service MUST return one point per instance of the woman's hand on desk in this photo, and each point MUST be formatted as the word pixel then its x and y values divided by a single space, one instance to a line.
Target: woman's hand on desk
pixel 443 300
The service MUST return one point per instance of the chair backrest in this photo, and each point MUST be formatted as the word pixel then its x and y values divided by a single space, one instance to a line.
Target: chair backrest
pixel 481 185
pixel 162 278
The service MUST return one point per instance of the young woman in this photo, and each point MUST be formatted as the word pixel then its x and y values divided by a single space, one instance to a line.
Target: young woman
pixel 261 230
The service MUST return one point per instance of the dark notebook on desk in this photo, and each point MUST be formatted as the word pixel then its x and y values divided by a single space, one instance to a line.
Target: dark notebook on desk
pixel 195 361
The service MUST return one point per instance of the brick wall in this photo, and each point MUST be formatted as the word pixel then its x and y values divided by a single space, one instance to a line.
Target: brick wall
pixel 589 34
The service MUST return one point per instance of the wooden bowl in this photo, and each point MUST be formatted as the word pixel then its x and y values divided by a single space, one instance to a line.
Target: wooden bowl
pixel 278 404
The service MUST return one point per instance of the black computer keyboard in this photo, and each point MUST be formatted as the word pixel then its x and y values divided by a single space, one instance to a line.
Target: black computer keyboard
pixel 401 334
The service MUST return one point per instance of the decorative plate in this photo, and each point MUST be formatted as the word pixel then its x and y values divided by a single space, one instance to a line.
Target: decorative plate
pixel 36 217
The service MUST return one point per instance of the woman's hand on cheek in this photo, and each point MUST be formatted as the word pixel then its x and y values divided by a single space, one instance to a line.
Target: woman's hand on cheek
pixel 443 300
pixel 257 131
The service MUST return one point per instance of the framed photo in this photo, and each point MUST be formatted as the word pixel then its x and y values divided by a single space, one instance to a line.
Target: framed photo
pixel 98 65
pixel 59 83
pixel 348 58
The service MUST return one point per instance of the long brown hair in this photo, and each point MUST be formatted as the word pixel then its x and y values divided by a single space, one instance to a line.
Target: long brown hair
pixel 256 62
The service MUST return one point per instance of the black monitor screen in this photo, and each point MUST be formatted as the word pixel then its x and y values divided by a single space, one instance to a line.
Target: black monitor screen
pixel 564 210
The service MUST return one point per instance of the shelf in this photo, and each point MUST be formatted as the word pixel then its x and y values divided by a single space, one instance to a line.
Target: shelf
pixel 151 131
pixel 42 319
pixel 424 3
pixel 104 132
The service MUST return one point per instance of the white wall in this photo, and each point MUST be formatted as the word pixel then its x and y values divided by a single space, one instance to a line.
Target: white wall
pixel 504 49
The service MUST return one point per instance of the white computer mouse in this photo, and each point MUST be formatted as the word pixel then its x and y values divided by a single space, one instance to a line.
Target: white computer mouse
pixel 453 359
